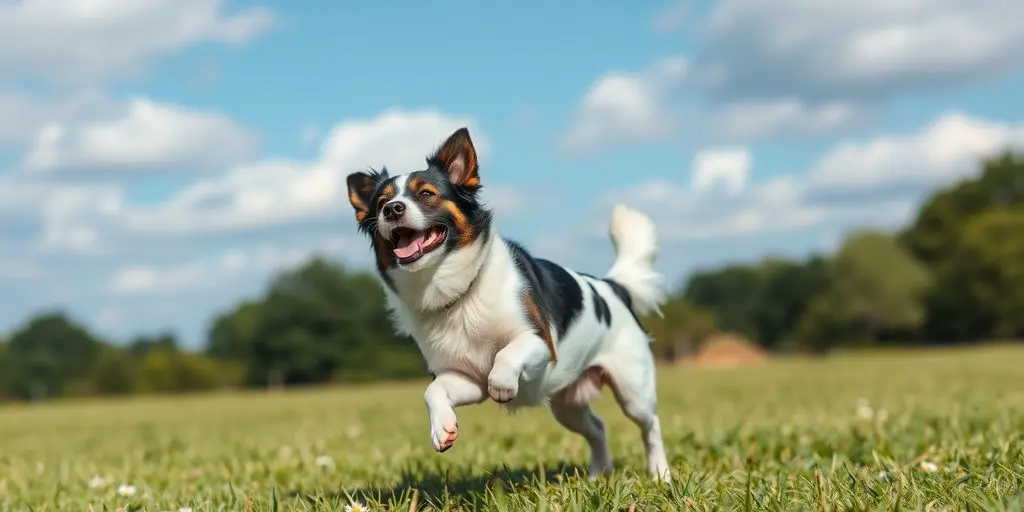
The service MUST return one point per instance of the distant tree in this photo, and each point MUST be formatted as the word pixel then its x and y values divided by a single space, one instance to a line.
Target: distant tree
pixel 114 372
pixel 935 238
pixel 174 371
pixel 731 293
pixel 47 353
pixel 989 262
pixel 680 330
pixel 319 322
pixel 875 286
pixel 764 301
pixel 142 345
pixel 5 371
pixel 786 289
pixel 231 335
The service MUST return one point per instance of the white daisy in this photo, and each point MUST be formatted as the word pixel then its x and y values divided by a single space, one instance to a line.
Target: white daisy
pixel 97 482
pixel 126 490
pixel 325 461
pixel 928 466
pixel 355 506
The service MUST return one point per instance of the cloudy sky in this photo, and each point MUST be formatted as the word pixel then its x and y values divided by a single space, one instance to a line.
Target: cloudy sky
pixel 159 159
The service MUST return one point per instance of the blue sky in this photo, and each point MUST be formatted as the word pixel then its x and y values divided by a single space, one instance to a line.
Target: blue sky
pixel 160 159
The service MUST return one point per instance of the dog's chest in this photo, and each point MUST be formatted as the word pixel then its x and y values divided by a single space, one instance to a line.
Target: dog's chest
pixel 466 337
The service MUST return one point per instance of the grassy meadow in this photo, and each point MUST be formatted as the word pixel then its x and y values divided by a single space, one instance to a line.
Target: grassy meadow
pixel 912 430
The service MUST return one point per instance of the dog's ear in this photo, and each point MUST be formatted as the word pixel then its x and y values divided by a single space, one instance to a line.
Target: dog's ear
pixel 458 156
pixel 360 191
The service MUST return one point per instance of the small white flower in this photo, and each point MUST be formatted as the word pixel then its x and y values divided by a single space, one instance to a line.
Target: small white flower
pixel 353 431
pixel 355 506
pixel 97 482
pixel 185 509
pixel 928 466
pixel 325 461
pixel 126 490
pixel 864 410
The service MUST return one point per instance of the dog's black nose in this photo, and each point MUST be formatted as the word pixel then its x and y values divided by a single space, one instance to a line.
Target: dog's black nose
pixel 393 211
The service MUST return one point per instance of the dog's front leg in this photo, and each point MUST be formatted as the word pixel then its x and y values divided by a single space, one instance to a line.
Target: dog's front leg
pixel 449 389
pixel 526 353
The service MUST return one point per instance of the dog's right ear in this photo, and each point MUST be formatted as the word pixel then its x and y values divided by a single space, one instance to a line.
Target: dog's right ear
pixel 360 191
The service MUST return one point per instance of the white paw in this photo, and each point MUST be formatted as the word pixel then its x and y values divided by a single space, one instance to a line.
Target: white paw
pixel 502 384
pixel 444 430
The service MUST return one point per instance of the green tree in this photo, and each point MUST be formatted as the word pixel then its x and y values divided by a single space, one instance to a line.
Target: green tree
pixel 47 353
pixel 763 302
pixel 785 290
pixel 319 322
pixel 231 335
pixel 114 372
pixel 935 238
pixel 5 372
pixel 680 330
pixel 142 345
pixel 875 286
pixel 731 293
pixel 174 371
pixel 989 261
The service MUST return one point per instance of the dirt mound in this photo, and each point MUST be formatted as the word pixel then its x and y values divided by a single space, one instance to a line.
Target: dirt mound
pixel 727 350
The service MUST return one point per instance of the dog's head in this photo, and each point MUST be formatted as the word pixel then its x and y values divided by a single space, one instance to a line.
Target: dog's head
pixel 415 220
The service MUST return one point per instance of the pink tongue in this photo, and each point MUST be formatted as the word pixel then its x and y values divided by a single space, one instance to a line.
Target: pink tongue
pixel 409 244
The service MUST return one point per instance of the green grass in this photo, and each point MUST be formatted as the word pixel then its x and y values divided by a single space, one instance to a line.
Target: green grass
pixel 785 436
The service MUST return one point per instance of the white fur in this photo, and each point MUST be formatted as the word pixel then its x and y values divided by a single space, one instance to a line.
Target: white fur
pixel 486 346
pixel 635 241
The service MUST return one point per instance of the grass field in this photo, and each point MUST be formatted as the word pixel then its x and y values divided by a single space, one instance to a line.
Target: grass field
pixel 936 430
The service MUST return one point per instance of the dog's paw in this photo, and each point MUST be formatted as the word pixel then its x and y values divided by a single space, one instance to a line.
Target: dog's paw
pixel 502 384
pixel 443 432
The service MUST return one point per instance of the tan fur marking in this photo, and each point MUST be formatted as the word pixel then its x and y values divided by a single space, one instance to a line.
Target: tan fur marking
pixel 360 207
pixel 539 324
pixel 386 194
pixel 465 231
pixel 380 249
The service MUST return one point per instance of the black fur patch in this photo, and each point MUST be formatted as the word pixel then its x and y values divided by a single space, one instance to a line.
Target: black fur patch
pixel 604 313
pixel 623 294
pixel 557 295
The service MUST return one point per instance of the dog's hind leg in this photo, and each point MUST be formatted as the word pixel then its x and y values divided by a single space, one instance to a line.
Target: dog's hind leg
pixel 630 374
pixel 579 418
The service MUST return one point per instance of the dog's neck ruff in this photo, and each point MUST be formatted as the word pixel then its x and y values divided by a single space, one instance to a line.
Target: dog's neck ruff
pixel 482 256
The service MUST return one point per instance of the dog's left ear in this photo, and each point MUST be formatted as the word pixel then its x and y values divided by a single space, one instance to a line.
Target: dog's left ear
pixel 458 156
pixel 360 188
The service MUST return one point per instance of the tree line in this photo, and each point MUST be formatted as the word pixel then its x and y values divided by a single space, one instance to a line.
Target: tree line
pixel 955 274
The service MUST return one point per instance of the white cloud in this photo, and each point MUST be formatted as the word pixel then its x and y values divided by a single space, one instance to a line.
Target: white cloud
pixel 277 192
pixel 855 49
pixel 747 120
pixel 626 107
pixel 728 168
pixel 877 182
pixel 263 194
pixel 89 41
pixel 947 149
pixel 24 114
pixel 147 136
pixel 200 274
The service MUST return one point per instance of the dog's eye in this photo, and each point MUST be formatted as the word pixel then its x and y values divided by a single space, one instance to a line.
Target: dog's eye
pixel 426 193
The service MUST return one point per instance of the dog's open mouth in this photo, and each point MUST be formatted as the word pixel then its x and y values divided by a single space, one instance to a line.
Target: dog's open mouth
pixel 411 244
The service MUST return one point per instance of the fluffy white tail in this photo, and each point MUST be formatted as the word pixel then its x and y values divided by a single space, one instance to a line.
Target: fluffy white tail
pixel 636 246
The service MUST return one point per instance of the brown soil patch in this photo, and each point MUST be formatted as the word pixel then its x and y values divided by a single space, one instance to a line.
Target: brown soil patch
pixel 727 350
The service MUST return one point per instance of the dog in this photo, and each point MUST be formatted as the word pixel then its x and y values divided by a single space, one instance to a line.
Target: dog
pixel 493 321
